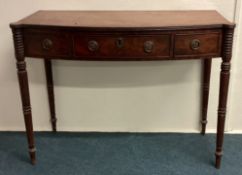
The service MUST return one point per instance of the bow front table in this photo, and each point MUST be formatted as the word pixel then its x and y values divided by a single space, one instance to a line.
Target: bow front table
pixel 124 36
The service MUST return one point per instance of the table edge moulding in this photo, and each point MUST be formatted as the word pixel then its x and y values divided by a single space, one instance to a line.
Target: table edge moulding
pixel 124 36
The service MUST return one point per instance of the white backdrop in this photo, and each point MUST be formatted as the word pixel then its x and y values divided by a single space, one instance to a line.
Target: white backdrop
pixel 121 96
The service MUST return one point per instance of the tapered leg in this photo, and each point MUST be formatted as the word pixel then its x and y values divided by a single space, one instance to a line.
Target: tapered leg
pixel 50 89
pixel 205 95
pixel 223 92
pixel 224 83
pixel 24 90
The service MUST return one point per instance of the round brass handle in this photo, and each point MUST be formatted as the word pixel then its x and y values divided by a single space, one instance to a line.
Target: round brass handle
pixel 195 44
pixel 148 46
pixel 93 45
pixel 47 44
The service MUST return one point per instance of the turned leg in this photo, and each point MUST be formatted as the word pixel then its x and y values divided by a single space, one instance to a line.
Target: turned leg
pixel 223 92
pixel 205 94
pixel 24 90
pixel 50 89
pixel 224 83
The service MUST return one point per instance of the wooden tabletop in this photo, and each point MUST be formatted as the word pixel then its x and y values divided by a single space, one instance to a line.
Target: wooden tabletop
pixel 124 19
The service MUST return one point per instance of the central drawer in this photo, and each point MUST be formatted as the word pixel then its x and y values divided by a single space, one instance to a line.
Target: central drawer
pixel 115 46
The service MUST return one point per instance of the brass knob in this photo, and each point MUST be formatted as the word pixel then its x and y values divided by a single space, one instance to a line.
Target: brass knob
pixel 195 44
pixel 148 46
pixel 93 45
pixel 120 43
pixel 47 44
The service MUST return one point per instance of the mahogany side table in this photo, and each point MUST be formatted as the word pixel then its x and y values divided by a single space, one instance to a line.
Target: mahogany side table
pixel 124 36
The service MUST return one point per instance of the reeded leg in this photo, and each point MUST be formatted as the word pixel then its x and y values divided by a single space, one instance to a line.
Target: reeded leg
pixel 24 90
pixel 223 92
pixel 205 95
pixel 50 89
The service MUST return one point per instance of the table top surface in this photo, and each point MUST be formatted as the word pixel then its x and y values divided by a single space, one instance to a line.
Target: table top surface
pixel 124 19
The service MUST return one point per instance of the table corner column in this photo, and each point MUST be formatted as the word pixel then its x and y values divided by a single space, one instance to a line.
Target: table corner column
pixel 24 88
pixel 228 33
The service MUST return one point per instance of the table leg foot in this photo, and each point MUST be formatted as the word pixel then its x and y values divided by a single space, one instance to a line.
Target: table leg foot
pixel 32 158
pixel 218 159
pixel 32 152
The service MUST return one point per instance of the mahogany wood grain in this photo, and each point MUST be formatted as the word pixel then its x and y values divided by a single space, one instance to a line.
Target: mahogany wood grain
pixel 34 41
pixel 133 46
pixel 124 35
pixel 125 19
pixel 210 44
pixel 67 44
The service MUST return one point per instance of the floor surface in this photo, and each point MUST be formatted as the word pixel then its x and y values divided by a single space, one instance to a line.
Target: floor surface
pixel 119 154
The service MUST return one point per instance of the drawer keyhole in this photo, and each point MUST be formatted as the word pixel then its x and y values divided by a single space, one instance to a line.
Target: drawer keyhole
pixel 120 43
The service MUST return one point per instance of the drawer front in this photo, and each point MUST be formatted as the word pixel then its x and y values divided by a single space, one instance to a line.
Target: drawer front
pixel 122 46
pixel 44 44
pixel 204 44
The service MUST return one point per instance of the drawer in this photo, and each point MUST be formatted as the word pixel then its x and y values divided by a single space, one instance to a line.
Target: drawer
pixel 109 46
pixel 44 44
pixel 203 44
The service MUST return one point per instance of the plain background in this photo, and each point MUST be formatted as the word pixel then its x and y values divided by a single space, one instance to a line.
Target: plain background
pixel 122 96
